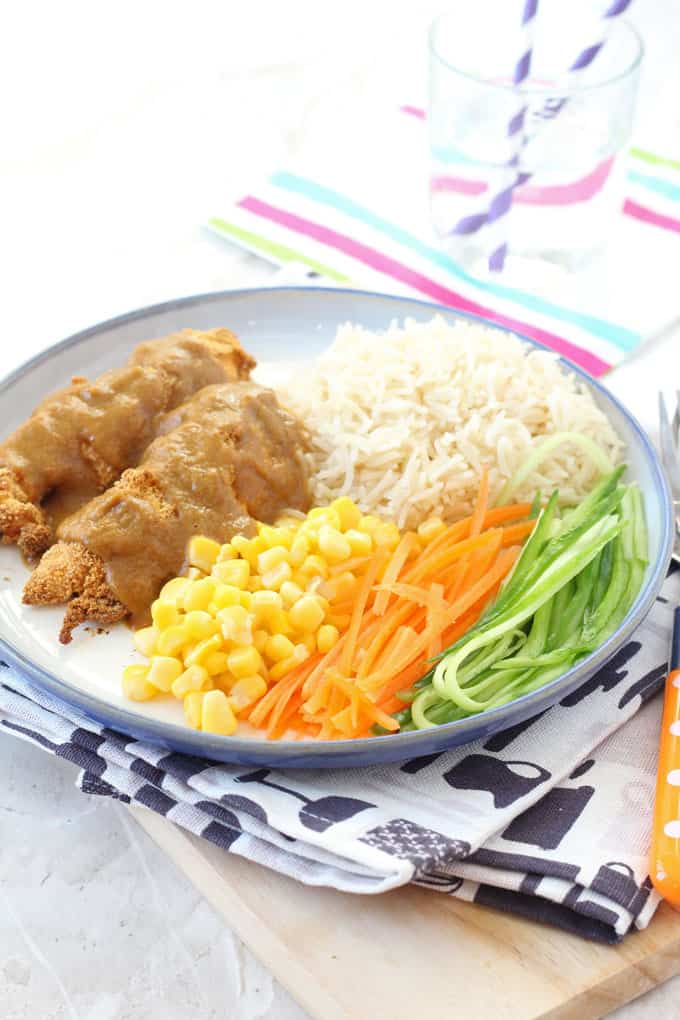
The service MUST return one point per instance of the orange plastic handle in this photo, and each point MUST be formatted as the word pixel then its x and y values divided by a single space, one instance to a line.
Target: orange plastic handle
pixel 664 862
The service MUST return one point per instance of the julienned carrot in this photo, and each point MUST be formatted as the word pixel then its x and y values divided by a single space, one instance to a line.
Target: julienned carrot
pixel 406 546
pixel 505 560
pixel 405 607
pixel 362 597
pixel 435 616
pixel 390 623
pixel 461 529
pixel 517 532
pixel 445 557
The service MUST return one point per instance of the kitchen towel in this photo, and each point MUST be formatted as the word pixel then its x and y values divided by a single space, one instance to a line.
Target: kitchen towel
pixel 354 209
pixel 549 819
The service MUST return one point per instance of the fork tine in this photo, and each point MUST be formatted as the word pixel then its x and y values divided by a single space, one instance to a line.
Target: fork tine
pixel 669 454
pixel 676 420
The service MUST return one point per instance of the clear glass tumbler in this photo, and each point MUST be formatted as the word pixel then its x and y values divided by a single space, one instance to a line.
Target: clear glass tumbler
pixel 567 159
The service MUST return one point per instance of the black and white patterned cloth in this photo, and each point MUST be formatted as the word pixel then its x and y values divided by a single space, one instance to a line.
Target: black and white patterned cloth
pixel 549 819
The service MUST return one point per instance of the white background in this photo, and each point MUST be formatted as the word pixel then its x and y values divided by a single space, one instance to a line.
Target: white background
pixel 123 126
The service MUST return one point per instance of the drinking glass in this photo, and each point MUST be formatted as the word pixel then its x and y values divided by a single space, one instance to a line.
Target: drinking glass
pixel 570 154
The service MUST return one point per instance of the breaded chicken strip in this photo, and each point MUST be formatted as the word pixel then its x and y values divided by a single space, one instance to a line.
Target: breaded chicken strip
pixel 80 439
pixel 231 456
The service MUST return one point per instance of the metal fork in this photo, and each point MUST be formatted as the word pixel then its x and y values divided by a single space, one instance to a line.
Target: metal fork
pixel 669 436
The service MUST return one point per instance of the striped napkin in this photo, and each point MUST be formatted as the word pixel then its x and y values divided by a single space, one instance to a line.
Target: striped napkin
pixel 356 212
pixel 549 819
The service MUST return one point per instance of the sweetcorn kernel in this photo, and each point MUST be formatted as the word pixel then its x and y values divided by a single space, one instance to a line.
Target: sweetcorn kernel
pixel 199 624
pixel 430 529
pixel 200 594
pixel 300 653
pixel 203 552
pixel 249 548
pixel 163 671
pixel 299 550
pixel 192 679
pixel 215 663
pixel 227 552
pixel 194 574
pixel 360 542
pixel 246 690
pixel 222 682
pixel 274 578
pixel 278 647
pixel 200 652
pixel 232 572
pixel 236 624
pixel 271 558
pixel 174 589
pixel 279 623
pixel 344 584
pixel 327 636
pixel 265 604
pixel 193 703
pixel 314 566
pixel 260 638
pixel 306 615
pixel 321 515
pixel 226 595
pixel 386 535
pixel 254 584
pixel 275 536
pixel 290 592
pixel 135 683
pixel 145 640
pixel 217 715
pixel 244 661
pixel 348 512
pixel 368 523
pixel 172 640
pixel 333 545
pixel 164 614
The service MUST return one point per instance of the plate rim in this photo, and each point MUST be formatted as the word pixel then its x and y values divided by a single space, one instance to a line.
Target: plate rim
pixel 172 734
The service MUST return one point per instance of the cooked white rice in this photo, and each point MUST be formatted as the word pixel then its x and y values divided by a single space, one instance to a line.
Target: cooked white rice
pixel 404 421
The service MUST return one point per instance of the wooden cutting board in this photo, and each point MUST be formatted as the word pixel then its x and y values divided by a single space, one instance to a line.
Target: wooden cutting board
pixel 414 953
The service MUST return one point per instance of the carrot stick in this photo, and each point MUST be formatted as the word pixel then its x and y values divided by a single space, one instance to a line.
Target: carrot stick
pixel 349 565
pixel 349 644
pixel 500 568
pixel 277 728
pixel 390 623
pixel 517 532
pixel 461 529
pixel 392 571
pixel 435 619
pixel 258 712
pixel 432 566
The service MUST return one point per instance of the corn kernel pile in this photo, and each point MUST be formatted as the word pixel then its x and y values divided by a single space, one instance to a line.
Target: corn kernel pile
pixel 253 609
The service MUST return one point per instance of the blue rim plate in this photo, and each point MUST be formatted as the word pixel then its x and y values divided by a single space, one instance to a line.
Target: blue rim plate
pixel 277 325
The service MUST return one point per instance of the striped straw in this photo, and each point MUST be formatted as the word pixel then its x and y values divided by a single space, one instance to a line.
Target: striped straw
pixel 586 57
pixel 501 202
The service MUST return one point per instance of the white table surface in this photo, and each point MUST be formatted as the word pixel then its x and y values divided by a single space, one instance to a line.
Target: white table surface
pixel 124 127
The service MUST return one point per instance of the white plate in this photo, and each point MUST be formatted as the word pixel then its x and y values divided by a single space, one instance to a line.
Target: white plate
pixel 279 326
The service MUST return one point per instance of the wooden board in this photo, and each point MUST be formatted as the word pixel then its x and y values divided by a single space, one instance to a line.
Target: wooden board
pixel 414 953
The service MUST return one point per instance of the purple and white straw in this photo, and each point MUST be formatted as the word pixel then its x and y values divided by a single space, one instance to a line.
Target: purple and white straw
pixel 501 203
pixel 586 56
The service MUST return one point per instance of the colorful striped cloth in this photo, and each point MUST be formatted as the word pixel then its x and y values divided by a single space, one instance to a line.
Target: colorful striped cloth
pixel 360 216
